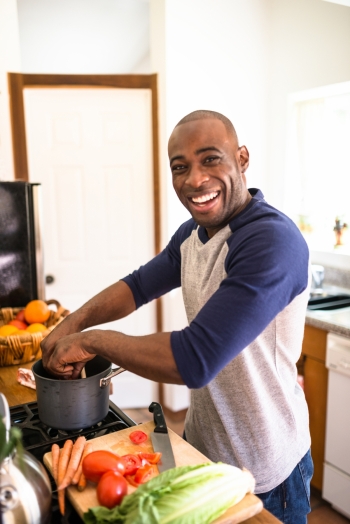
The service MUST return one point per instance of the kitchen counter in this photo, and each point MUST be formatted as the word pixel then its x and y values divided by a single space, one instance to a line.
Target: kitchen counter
pixel 13 391
pixel 17 394
pixel 335 321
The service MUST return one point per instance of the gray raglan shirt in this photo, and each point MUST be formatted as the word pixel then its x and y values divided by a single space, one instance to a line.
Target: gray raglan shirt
pixel 245 292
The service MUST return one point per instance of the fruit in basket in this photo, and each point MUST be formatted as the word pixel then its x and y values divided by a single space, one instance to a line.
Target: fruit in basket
pixel 7 330
pixel 36 328
pixel 20 316
pixel 36 311
pixel 18 324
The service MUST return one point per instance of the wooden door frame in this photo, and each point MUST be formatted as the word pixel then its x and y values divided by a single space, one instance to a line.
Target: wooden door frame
pixel 18 81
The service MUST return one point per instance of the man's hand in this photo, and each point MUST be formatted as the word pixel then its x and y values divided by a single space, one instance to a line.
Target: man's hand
pixel 68 355
pixel 113 303
pixel 67 327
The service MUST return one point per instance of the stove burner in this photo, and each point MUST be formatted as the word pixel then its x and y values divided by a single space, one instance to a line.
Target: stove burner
pixel 36 434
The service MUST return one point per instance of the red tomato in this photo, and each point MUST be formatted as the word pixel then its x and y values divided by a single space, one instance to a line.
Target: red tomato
pixel 111 489
pixel 143 474
pixel 137 437
pixel 132 463
pixel 20 316
pixel 18 324
pixel 152 458
pixel 131 480
pixel 96 463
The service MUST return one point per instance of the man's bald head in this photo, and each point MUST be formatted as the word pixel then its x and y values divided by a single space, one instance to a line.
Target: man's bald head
pixel 202 114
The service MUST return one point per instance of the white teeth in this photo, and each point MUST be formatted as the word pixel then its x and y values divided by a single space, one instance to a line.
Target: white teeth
pixel 205 198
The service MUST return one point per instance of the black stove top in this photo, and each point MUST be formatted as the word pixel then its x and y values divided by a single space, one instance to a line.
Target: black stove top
pixel 38 439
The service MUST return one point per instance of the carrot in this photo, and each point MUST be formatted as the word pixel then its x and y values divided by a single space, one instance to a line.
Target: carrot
pixel 62 468
pixel 55 450
pixel 77 474
pixel 77 451
pixel 82 480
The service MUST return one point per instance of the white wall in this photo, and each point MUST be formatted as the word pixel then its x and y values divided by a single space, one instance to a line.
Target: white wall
pixel 217 58
pixel 9 61
pixel 84 36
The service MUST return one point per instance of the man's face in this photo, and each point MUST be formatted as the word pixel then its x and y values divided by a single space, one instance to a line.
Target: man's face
pixel 208 172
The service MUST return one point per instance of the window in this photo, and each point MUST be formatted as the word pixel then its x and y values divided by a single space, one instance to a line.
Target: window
pixel 317 188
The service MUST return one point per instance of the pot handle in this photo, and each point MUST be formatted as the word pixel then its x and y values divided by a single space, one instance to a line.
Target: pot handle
pixel 113 373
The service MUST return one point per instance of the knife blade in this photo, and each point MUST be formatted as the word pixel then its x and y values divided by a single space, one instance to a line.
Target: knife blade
pixel 160 438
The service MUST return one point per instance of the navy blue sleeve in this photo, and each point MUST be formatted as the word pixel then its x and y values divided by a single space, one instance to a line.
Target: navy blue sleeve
pixel 163 272
pixel 267 267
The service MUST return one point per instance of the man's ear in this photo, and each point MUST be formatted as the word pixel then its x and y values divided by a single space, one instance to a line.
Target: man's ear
pixel 243 158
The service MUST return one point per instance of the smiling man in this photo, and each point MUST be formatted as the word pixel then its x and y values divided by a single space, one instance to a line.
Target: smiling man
pixel 243 269
pixel 208 170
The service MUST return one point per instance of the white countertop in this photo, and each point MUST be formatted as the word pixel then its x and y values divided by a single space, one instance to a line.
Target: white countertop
pixel 336 320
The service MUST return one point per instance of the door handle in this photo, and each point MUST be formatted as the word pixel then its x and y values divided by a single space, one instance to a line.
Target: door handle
pixel 49 279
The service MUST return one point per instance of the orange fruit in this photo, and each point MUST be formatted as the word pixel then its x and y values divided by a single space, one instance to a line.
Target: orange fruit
pixel 18 324
pixel 36 311
pixel 21 332
pixel 7 330
pixel 36 327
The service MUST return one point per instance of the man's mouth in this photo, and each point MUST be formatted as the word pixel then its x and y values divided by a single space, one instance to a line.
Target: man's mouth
pixel 203 199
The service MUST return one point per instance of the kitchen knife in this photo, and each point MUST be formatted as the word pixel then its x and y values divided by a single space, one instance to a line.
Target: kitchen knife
pixel 160 438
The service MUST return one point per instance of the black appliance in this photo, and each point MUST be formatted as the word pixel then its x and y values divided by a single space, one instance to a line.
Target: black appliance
pixel 38 439
pixel 21 252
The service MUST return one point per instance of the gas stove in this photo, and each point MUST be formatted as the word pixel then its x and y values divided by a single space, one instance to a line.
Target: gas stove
pixel 38 439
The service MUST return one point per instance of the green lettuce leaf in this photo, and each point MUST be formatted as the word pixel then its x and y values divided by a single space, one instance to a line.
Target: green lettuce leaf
pixel 183 495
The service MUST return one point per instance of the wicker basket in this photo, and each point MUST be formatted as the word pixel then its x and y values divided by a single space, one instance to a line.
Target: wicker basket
pixel 19 349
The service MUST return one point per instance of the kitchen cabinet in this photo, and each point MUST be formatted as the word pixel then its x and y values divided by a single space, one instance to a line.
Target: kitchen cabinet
pixel 312 366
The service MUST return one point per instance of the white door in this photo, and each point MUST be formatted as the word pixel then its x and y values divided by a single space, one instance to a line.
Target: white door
pixel 91 149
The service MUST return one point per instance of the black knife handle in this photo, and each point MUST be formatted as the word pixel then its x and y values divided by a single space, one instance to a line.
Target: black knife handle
pixel 158 417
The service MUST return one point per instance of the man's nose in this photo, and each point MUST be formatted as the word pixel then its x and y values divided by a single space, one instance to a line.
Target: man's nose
pixel 197 176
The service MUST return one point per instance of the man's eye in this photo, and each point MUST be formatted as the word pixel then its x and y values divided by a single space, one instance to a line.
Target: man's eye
pixel 177 168
pixel 210 159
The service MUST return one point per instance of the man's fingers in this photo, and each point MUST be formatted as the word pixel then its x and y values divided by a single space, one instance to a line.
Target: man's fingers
pixel 67 356
pixel 60 369
pixel 78 366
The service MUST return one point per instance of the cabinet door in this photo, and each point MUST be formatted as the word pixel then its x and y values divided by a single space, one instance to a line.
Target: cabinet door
pixel 315 342
pixel 315 387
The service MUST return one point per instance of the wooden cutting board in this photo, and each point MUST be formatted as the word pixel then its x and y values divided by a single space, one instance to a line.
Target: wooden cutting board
pixel 184 454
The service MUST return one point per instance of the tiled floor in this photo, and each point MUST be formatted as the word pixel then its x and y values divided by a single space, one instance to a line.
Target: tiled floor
pixel 321 511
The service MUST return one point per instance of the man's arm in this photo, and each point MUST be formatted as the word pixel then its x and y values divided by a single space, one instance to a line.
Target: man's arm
pixel 149 356
pixel 66 349
pixel 113 303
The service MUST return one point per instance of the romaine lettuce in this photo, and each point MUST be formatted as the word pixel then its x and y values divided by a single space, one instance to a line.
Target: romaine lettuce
pixel 182 495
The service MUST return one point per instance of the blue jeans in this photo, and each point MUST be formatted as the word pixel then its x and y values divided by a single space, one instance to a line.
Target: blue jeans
pixel 290 501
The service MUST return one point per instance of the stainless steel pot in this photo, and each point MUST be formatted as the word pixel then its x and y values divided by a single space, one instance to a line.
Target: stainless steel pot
pixel 74 404
pixel 25 490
